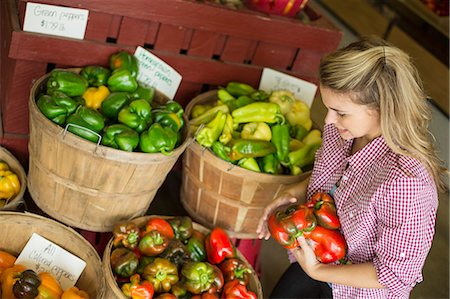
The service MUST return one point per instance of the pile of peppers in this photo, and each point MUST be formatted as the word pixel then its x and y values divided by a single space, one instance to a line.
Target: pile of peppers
pixel 317 221
pixel 107 105
pixel 9 184
pixel 169 258
pixel 16 281
pixel 269 133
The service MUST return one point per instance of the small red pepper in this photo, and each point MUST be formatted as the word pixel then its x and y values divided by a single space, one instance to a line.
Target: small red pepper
pixel 126 234
pixel 159 224
pixel 138 289
pixel 235 290
pixel 324 210
pixel 218 246
pixel 153 243
pixel 286 226
pixel 329 245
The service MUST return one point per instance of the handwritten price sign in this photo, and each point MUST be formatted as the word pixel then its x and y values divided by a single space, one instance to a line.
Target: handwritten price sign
pixel 55 20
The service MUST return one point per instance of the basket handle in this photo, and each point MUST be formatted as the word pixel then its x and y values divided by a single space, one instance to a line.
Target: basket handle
pixel 83 128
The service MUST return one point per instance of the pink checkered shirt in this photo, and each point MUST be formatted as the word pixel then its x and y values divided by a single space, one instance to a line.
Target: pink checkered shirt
pixel 387 206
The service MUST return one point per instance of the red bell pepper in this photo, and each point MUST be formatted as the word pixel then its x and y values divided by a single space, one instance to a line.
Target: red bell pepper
pixel 126 234
pixel 235 290
pixel 329 245
pixel 324 210
pixel 159 224
pixel 218 246
pixel 153 243
pixel 138 289
pixel 286 226
pixel 235 268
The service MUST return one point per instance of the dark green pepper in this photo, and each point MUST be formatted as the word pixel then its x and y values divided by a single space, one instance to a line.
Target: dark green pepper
pixel 138 115
pixel 123 59
pixel 260 95
pixel 121 137
pixel 250 164
pixel 182 227
pixel 124 262
pixel 122 80
pixel 243 148
pixel 224 96
pixel 176 252
pixel 200 277
pixel 143 262
pixel 27 285
pixel 95 75
pixel 158 139
pixel 222 151
pixel 72 84
pixel 258 112
pixel 57 107
pixel 238 89
pixel 196 246
pixel 145 93
pixel 271 165
pixel 212 130
pixel 86 123
pixel 298 132
pixel 280 139
pixel 239 102
pixel 113 103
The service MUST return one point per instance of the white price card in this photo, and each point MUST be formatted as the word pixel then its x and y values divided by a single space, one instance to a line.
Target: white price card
pixel 273 80
pixel 55 20
pixel 41 255
pixel 156 73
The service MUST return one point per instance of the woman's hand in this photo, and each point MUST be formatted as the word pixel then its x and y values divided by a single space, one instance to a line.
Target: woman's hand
pixel 305 257
pixel 285 199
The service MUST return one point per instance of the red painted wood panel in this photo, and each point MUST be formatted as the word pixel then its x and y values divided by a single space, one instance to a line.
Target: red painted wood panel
pixel 274 56
pixel 170 38
pixel 98 26
pixel 203 44
pixel 238 50
pixel 307 63
pixel 132 32
pixel 18 146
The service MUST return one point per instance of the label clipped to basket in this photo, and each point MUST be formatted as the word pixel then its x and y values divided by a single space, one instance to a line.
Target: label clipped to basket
pixel 41 255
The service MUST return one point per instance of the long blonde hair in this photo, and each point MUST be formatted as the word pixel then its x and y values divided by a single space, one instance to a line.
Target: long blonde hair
pixel 379 75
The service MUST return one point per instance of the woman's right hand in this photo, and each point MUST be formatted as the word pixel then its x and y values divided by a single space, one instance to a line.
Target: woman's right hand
pixel 284 199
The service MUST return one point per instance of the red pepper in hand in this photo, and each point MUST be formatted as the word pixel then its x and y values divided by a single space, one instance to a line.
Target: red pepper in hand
pixel 218 246
pixel 286 226
pixel 324 210
pixel 161 225
pixel 235 268
pixel 235 290
pixel 138 289
pixel 329 245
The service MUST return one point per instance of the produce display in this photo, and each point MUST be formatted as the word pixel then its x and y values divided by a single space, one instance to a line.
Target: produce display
pixel 269 133
pixel 16 281
pixel 109 106
pixel 9 184
pixel 317 221
pixel 170 258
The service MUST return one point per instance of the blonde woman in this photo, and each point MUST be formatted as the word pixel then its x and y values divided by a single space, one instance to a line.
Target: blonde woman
pixel 378 161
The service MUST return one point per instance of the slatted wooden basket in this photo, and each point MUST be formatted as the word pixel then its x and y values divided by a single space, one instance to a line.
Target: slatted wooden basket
pixel 15 167
pixel 16 229
pixel 114 290
pixel 87 185
pixel 217 193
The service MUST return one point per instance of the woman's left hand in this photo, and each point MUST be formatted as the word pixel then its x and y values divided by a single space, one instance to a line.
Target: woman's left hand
pixel 305 257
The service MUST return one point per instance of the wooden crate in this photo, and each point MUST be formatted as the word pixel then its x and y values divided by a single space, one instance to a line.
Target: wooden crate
pixel 206 43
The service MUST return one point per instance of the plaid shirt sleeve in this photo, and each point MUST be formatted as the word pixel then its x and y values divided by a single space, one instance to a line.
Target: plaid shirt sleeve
pixel 407 212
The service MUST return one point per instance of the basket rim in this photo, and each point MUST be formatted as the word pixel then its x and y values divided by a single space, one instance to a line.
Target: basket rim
pixel 18 169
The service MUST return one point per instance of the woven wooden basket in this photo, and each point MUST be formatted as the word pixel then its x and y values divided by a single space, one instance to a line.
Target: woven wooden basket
pixel 114 290
pixel 217 193
pixel 87 185
pixel 17 168
pixel 16 229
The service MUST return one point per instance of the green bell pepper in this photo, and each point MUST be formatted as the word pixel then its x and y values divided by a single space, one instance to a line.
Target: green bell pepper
pixel 250 164
pixel 271 165
pixel 280 139
pixel 242 148
pixel 86 123
pixel 145 93
pixel 121 137
pixel 222 151
pixel 124 59
pixel 238 89
pixel 138 115
pixel 168 119
pixel 182 227
pixel 162 273
pixel 200 277
pixel 72 84
pixel 258 112
pixel 158 139
pixel 124 262
pixel 113 103
pixel 95 75
pixel 212 130
pixel 196 246
pixel 57 107
pixel 122 80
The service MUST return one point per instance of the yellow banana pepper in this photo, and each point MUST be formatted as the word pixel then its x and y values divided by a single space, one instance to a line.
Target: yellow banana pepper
pixel 9 184
pixel 94 96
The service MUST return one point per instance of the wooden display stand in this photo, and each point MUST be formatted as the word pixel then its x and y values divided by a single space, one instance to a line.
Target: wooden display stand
pixel 208 44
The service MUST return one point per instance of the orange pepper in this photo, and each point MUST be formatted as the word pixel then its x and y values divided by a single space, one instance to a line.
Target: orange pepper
pixel 94 96
pixel 8 278
pixel 74 293
pixel 7 260
pixel 49 288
